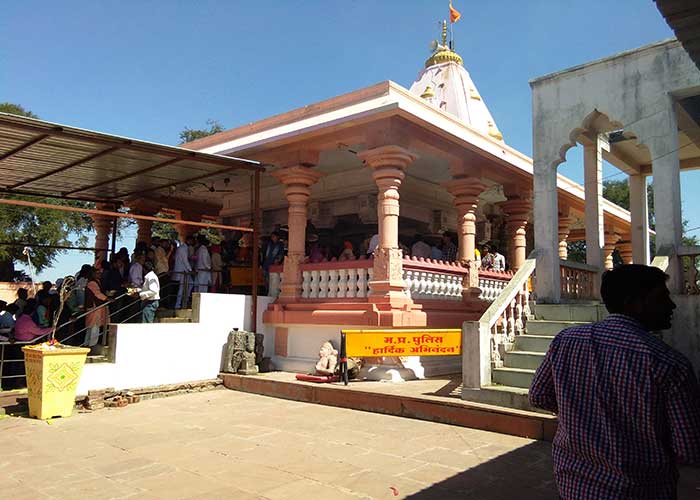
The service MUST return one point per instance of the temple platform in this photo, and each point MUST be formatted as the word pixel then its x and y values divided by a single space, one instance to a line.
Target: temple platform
pixel 431 399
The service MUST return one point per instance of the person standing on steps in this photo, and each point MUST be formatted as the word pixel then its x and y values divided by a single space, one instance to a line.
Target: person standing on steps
pixel 628 404
pixel 149 294
pixel 182 272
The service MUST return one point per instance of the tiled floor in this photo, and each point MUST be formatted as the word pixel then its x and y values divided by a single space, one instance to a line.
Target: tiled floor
pixel 226 444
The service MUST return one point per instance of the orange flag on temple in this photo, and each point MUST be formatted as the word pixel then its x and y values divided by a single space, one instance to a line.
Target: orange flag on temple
pixel 455 15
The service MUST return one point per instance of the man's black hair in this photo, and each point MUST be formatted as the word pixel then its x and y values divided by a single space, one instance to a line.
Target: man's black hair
pixel 627 283
pixel 148 266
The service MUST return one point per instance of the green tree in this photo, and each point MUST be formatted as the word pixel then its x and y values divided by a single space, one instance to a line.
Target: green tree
pixel 21 226
pixel 618 192
pixel 16 109
pixel 189 134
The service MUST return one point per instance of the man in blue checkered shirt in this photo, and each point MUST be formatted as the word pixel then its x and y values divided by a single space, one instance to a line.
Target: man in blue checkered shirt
pixel 628 404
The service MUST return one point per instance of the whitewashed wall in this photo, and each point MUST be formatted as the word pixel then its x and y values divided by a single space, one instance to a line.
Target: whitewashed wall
pixel 169 353
pixel 685 332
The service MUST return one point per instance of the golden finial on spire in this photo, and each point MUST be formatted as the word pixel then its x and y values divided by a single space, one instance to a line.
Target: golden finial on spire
pixel 442 52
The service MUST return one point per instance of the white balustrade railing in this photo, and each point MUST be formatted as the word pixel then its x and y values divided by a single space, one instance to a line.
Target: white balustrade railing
pixel 492 284
pixel 690 264
pixel 336 280
pixel 274 283
pixel 495 332
pixel 428 279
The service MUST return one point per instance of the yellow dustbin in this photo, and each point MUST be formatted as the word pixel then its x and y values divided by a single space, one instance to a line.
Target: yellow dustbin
pixel 53 373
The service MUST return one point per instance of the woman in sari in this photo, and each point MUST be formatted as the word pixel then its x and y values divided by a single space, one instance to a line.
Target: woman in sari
pixel 97 316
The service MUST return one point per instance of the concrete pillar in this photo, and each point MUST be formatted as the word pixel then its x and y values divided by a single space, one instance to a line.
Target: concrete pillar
pixel 625 248
pixel 388 164
pixel 610 240
pixel 640 219
pixel 298 180
pixel 665 169
pixel 545 219
pixel 593 183
pixel 564 227
pixel 517 213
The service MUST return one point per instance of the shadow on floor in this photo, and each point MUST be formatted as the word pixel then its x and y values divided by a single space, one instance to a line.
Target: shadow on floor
pixel 525 474
pixel 452 389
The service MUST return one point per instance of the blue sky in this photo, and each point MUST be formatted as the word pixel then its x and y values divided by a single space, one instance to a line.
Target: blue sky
pixel 147 69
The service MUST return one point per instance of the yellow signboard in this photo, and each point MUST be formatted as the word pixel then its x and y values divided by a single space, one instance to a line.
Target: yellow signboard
pixel 426 342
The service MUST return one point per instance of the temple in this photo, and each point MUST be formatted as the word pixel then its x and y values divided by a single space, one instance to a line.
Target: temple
pixel 398 163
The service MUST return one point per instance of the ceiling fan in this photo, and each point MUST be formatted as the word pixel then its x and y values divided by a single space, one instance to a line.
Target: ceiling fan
pixel 212 188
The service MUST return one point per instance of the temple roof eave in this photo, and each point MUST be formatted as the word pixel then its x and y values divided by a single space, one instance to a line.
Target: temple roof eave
pixel 380 101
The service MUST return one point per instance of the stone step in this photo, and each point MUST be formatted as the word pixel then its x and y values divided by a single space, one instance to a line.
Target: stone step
pixel 513 377
pixel 174 320
pixel 523 359
pixel 174 313
pixel 570 312
pixel 533 343
pixel 502 395
pixel 549 327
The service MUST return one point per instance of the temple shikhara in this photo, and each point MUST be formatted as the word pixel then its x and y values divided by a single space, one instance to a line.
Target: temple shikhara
pixel 371 210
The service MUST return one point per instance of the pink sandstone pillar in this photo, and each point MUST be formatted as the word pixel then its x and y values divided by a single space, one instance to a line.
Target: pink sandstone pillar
pixel 103 227
pixel 466 191
pixel 608 247
pixel 625 250
pixel 517 213
pixel 624 247
pixel 298 180
pixel 388 164
pixel 564 228
pixel 144 231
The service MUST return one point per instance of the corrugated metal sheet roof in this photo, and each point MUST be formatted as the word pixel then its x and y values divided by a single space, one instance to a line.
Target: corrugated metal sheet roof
pixel 44 158
pixel 683 16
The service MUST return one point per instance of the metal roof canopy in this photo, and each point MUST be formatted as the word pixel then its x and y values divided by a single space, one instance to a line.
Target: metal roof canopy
pixel 47 159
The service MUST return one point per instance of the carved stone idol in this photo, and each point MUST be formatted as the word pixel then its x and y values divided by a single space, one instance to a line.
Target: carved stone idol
pixel 328 360
pixel 240 353
pixel 247 365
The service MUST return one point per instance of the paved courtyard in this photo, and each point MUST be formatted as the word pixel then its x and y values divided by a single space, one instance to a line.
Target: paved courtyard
pixel 225 444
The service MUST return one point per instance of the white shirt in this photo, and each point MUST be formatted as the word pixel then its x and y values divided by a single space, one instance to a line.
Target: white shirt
pixel 203 259
pixel 182 261
pixel 136 274
pixel 499 262
pixel 421 249
pixel 151 287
